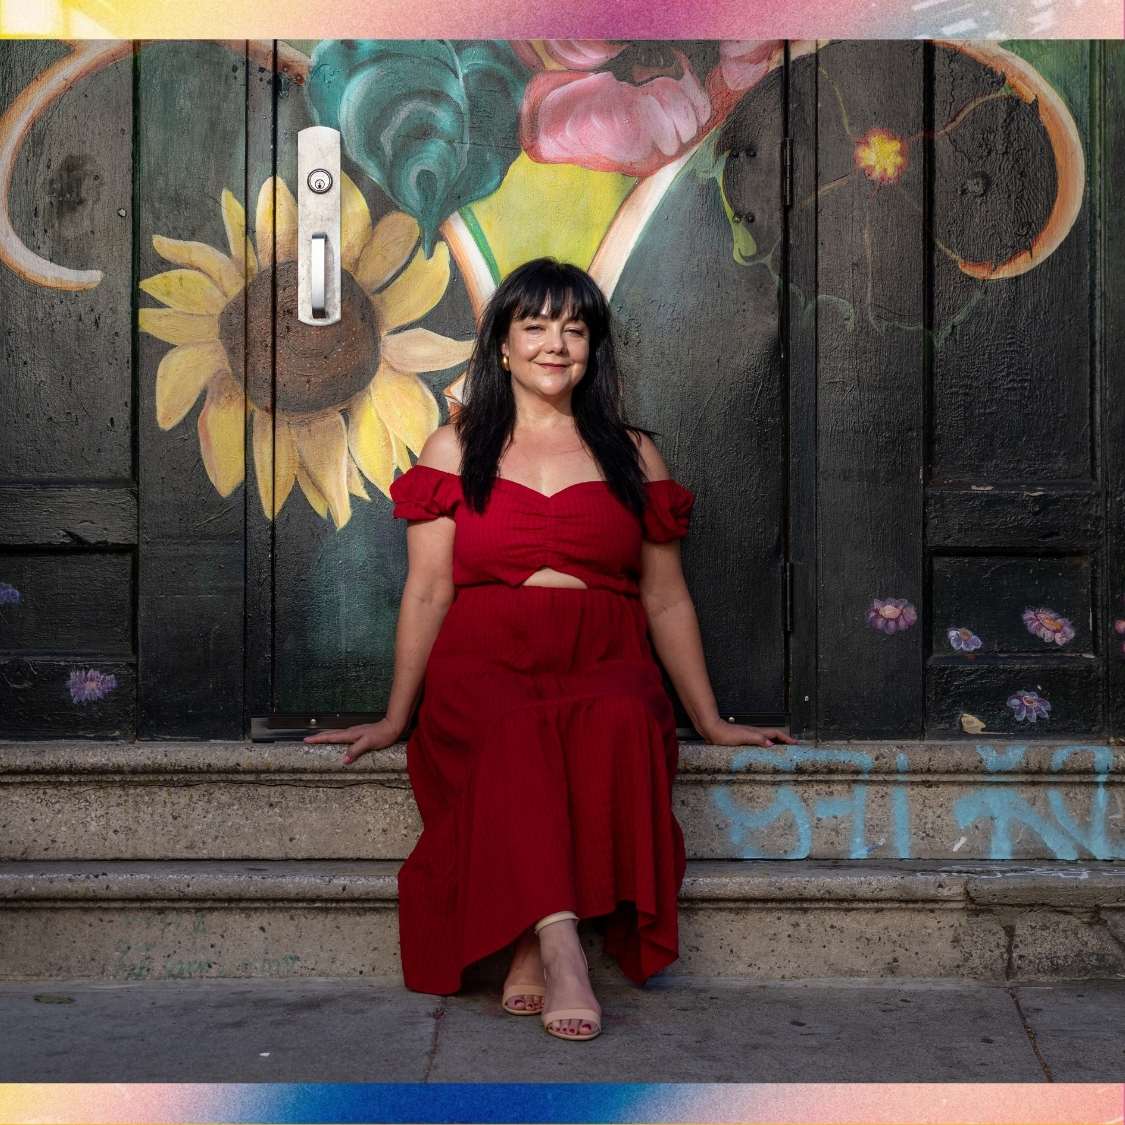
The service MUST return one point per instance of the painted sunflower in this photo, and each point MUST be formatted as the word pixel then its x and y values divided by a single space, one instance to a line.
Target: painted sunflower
pixel 366 366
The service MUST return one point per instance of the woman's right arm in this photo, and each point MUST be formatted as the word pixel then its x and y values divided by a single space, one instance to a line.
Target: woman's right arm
pixel 426 599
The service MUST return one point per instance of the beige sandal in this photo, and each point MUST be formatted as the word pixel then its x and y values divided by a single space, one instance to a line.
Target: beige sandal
pixel 514 990
pixel 587 1015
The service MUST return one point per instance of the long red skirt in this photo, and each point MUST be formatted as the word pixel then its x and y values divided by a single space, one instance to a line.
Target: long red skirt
pixel 542 765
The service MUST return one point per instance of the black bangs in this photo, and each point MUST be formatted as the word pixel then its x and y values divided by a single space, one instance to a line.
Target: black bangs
pixel 558 287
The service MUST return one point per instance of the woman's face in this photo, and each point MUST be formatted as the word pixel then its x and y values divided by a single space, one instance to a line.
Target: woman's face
pixel 547 356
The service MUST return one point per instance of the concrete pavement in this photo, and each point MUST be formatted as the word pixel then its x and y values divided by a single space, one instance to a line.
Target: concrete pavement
pixel 672 1030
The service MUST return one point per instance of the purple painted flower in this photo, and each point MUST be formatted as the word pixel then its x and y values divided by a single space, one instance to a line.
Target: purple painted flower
pixel 88 684
pixel 963 640
pixel 1029 706
pixel 1048 625
pixel 9 595
pixel 891 615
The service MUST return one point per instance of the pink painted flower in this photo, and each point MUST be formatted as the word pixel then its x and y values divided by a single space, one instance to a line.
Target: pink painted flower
pixel 1029 706
pixel 88 684
pixel 891 615
pixel 631 107
pixel 964 640
pixel 1048 625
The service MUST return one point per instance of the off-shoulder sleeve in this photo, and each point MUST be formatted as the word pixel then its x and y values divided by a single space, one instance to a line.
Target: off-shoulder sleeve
pixel 668 514
pixel 423 493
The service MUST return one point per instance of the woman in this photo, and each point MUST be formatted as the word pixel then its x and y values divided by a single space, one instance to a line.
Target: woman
pixel 544 568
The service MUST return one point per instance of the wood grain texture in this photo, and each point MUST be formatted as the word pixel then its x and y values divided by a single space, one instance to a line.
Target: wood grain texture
pixel 700 347
pixel 66 356
pixel 1110 336
pixel 261 87
pixel 870 386
pixel 801 333
pixel 191 143
pixel 68 510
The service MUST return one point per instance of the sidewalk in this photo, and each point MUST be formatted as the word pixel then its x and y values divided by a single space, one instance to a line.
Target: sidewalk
pixel 675 1030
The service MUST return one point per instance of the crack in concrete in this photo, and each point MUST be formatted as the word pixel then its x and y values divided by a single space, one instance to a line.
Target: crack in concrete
pixel 437 1015
pixel 1029 1031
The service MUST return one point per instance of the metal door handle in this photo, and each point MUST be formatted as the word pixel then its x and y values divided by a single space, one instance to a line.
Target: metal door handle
pixel 318 225
pixel 318 270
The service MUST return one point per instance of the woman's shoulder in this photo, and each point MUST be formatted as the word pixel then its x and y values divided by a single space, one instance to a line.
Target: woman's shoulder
pixel 442 450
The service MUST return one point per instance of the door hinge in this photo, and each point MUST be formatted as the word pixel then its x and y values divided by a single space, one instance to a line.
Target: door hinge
pixel 787 593
pixel 787 171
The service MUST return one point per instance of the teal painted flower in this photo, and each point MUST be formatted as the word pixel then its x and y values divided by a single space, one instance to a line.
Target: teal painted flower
pixel 434 122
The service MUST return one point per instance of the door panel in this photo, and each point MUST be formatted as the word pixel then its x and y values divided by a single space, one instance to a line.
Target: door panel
pixel 869 308
pixel 190 166
pixel 960 492
pixel 68 508
pixel 697 302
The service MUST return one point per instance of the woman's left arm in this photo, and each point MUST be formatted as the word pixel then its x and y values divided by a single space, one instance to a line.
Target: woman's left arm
pixel 675 636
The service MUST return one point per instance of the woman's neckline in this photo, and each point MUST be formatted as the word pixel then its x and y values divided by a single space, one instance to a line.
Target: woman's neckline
pixel 535 491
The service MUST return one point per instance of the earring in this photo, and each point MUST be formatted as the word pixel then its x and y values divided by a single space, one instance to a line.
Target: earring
pixel 504 362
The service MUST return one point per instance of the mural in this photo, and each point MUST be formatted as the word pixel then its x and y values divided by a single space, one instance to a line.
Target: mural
pixel 466 157
pixel 461 138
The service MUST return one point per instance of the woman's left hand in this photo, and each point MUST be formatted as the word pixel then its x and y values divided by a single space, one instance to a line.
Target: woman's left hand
pixel 723 733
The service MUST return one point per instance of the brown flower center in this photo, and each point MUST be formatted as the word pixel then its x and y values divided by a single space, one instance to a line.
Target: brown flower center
pixel 317 368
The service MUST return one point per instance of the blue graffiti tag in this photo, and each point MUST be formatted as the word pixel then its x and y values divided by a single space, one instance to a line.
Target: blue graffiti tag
pixel 997 805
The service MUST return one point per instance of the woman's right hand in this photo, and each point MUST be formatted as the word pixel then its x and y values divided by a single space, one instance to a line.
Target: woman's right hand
pixel 365 737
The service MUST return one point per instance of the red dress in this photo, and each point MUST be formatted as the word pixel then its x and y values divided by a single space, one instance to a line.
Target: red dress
pixel 545 748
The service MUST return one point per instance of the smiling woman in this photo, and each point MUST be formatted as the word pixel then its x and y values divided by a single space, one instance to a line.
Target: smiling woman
pixel 536 604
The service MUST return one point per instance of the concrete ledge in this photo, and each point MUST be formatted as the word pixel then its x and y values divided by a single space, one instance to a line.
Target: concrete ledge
pixel 755 920
pixel 848 800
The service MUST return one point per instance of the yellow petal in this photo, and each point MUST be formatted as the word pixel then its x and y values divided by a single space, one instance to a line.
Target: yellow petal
pixel 419 349
pixel 222 429
pixel 313 494
pixel 178 327
pixel 402 458
pixel 415 291
pixel 285 463
pixel 182 374
pixel 406 405
pixel 394 238
pixel 322 446
pixel 186 290
pixel 275 223
pixel 370 442
pixel 355 222
pixel 355 481
pixel 198 255
pixel 234 220
pixel 263 459
pixel 268 444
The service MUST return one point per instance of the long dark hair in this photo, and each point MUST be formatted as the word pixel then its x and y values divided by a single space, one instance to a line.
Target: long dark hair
pixel 486 421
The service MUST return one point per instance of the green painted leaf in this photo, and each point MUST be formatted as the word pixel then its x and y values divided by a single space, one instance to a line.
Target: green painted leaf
pixel 432 121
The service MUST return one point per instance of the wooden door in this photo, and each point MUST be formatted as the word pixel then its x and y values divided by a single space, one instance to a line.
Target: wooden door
pixel 697 306
pixel 122 520
pixel 953 322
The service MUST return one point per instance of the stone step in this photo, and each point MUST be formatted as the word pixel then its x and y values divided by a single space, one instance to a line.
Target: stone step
pixel 755 919
pixel 840 800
